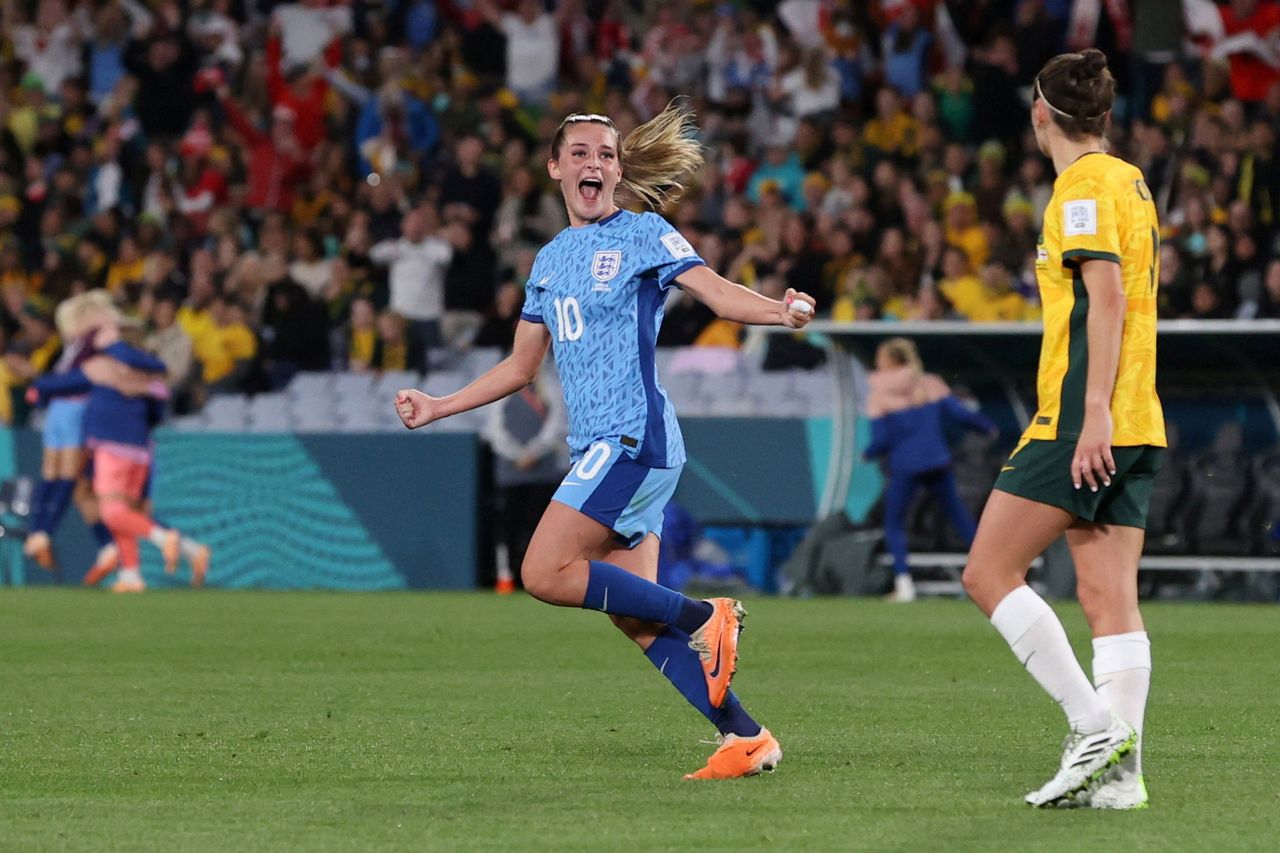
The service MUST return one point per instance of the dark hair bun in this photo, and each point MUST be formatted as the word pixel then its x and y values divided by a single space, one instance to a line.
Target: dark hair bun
pixel 1093 62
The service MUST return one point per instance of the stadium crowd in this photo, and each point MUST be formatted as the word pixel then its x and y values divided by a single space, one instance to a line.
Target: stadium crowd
pixel 318 185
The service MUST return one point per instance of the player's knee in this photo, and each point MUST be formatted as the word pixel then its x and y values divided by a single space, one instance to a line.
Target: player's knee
pixel 1094 600
pixel 113 512
pixel 538 578
pixel 972 581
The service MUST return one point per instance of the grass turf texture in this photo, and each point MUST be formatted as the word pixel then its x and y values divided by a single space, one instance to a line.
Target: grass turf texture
pixel 252 721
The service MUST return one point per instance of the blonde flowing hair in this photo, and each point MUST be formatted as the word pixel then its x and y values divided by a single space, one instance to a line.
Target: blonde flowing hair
pixel 657 158
pixel 75 314
pixel 903 353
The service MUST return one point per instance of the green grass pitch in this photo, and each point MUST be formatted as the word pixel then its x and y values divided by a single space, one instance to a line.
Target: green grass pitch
pixel 316 721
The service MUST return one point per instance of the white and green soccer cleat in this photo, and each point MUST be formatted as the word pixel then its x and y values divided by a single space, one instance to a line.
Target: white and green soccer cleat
pixel 1121 788
pixel 1085 758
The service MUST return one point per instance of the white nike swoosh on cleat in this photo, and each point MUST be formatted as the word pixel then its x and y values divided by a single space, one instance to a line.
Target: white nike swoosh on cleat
pixel 605 605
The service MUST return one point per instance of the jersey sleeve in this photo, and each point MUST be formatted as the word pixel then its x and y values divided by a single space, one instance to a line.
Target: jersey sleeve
pixel 533 292
pixel 668 253
pixel 1090 227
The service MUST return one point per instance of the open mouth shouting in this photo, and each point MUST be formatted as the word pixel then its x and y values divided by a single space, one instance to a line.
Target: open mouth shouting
pixel 590 189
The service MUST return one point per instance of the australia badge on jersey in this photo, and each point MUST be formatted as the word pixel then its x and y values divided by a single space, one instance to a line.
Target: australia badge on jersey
pixel 605 267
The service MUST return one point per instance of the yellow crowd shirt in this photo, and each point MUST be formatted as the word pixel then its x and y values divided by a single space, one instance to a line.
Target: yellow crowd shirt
pixel 1101 210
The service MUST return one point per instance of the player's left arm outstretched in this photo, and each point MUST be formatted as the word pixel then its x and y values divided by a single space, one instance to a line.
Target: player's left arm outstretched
pixel 734 302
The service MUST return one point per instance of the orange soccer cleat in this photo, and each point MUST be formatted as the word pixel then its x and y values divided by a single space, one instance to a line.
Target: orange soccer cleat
pixel 716 643
pixel 105 564
pixel 740 756
pixel 39 547
pixel 200 565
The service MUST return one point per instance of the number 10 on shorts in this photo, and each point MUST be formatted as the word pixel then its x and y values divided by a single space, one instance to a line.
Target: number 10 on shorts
pixel 593 460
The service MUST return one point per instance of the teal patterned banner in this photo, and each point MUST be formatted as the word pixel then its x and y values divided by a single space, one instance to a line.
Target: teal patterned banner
pixel 281 511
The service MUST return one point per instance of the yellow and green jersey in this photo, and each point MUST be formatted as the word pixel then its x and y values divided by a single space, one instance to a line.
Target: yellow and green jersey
pixel 1101 210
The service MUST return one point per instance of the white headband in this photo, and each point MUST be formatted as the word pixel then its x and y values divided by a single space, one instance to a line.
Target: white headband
pixel 1040 94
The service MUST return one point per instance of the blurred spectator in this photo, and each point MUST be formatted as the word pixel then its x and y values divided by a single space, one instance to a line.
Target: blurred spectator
pixel 294 331
pixel 361 336
pixel 266 165
pixel 1269 299
pixel 526 432
pixel 1176 283
pixel 906 52
pixel 499 329
pixel 228 348
pixel 418 261
pixel 963 230
pixel 277 162
pixel 533 47
pixel 172 346
pixel 1246 35
pixel 395 348
pixel 164 67
pixel 307 28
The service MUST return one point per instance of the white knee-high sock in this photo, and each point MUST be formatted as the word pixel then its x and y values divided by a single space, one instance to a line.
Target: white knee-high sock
pixel 1122 676
pixel 1031 628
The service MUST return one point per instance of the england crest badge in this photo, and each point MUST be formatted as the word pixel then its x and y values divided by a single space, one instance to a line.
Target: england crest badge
pixel 605 266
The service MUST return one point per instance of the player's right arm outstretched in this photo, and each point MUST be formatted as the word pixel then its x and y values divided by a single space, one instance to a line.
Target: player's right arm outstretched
pixel 508 376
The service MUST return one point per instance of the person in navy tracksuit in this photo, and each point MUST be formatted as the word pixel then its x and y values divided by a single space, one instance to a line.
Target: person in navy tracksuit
pixel 908 409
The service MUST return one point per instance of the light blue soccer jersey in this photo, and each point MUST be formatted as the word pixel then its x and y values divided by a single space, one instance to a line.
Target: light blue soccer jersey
pixel 600 289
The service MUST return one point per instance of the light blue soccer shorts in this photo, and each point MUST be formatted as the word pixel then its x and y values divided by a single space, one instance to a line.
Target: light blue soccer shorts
pixel 64 424
pixel 609 486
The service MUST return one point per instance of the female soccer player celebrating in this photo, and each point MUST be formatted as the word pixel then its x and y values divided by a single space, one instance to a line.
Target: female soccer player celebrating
pixel 595 295
pixel 63 460
pixel 1085 465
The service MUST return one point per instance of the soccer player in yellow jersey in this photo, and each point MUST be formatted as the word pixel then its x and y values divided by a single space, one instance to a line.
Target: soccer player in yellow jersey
pixel 1085 465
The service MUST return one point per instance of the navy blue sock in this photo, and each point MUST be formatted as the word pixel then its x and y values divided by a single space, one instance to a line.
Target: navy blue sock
pixel 101 534
pixel 60 492
pixel 617 591
pixel 39 505
pixel 693 612
pixel 671 654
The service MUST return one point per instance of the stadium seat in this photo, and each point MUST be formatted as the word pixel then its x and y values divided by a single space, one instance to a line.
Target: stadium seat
pixel 1264 517
pixel 311 385
pixel 226 412
pixel 392 381
pixel 684 391
pixel 314 415
pixel 476 361
pixel 441 383
pixel 1219 496
pixel 1166 518
pixel 352 384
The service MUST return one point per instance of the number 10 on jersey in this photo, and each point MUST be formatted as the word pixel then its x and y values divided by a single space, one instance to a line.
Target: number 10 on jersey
pixel 568 319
